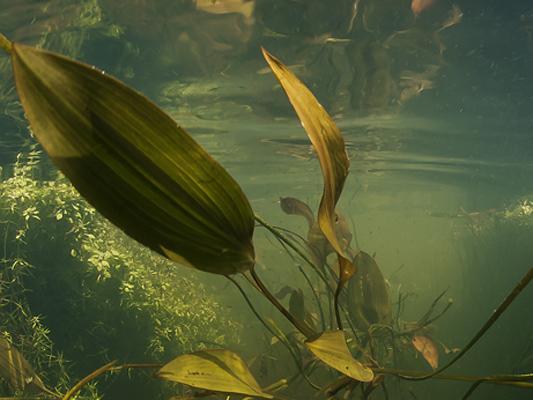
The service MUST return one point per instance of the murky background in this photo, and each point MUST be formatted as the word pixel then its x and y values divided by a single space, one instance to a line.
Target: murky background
pixel 435 107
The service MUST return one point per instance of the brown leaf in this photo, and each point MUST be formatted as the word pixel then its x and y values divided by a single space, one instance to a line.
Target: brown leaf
pixel 327 142
pixel 428 349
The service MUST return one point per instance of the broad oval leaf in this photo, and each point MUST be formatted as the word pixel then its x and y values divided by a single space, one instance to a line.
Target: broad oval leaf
pixel 331 348
pixel 134 164
pixel 216 370
pixel 327 142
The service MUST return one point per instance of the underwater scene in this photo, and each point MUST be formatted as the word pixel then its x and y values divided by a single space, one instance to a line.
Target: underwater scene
pixel 266 199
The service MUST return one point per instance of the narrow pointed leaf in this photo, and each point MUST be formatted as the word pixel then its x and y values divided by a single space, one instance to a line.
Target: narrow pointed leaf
pixel 327 142
pixel 134 164
pixel 331 151
pixel 215 370
pixel 15 370
pixel 331 348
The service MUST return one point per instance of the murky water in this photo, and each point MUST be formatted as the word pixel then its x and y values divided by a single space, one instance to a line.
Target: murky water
pixel 434 104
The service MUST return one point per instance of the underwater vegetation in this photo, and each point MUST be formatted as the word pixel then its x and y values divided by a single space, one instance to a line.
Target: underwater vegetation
pixel 147 176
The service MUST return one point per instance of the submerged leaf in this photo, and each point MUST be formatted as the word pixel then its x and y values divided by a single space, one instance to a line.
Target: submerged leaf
pixel 293 206
pixel 368 294
pixel 215 370
pixel 134 164
pixel 428 349
pixel 331 151
pixel 327 142
pixel 331 348
pixel 15 370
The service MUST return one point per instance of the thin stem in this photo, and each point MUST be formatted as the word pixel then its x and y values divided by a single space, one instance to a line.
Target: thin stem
pixel 493 318
pixel 6 44
pixel 336 305
pixel 300 325
pixel 272 332
pixel 317 298
pixel 471 390
pixel 77 387
pixel 298 251
pixel 519 380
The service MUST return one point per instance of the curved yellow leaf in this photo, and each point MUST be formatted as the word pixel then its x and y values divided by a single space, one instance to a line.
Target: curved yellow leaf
pixel 327 142
pixel 331 348
pixel 215 370
pixel 134 164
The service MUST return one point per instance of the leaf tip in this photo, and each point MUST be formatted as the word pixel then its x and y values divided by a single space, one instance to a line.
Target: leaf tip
pixel 6 44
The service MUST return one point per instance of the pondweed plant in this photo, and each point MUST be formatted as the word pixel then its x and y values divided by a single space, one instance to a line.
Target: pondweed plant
pixel 145 174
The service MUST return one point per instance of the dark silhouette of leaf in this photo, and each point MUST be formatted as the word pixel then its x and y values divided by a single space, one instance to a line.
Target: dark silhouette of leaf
pixel 293 206
pixel 368 295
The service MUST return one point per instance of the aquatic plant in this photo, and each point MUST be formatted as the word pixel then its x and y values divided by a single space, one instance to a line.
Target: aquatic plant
pixel 73 286
pixel 145 174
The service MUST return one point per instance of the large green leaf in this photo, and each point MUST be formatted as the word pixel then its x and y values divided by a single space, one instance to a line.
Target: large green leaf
pixel 216 370
pixel 134 164
pixel 331 348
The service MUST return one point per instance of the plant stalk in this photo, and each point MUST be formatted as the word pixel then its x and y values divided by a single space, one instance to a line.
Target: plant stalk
pixel 307 331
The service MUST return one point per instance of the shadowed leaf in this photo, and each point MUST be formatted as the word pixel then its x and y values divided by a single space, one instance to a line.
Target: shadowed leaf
pixel 134 164
pixel 293 206
pixel 368 295
pixel 215 370
pixel 331 348
pixel 15 370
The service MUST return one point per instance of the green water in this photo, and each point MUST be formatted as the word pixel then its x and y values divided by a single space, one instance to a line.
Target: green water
pixel 440 185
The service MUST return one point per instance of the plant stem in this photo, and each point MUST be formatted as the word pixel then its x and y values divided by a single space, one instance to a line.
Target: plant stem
pixel 520 380
pixel 300 325
pixel 77 387
pixel 6 44
pixel 298 251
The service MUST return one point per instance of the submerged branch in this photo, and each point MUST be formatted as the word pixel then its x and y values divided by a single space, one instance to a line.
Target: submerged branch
pixel 518 380
pixel 493 318
pixel 77 387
